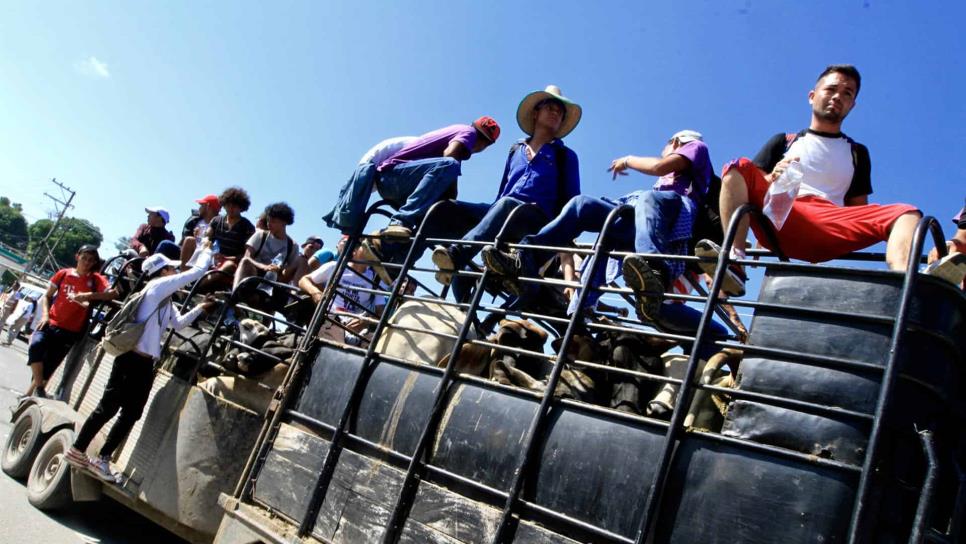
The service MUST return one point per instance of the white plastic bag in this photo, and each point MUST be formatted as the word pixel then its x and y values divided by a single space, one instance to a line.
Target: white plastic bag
pixel 782 192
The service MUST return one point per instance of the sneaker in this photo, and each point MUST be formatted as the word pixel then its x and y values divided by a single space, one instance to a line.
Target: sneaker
pixel 443 259
pixel 41 393
pixel 734 280
pixel 502 262
pixel 369 253
pixel 647 284
pixel 101 467
pixel 951 268
pixel 396 231
pixel 76 458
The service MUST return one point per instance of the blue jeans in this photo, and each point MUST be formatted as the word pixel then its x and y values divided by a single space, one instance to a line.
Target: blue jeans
pixel 353 197
pixel 655 214
pixel 414 186
pixel 683 319
pixel 489 220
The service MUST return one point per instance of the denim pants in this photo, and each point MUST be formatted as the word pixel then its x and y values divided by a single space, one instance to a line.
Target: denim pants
pixel 489 220
pixel 683 319
pixel 353 197
pixel 414 186
pixel 655 215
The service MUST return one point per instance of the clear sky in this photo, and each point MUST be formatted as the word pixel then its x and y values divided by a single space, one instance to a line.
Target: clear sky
pixel 137 103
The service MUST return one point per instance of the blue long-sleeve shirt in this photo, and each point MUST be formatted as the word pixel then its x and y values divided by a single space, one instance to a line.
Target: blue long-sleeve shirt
pixel 537 181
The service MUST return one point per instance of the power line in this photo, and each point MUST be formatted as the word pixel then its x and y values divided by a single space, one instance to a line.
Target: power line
pixel 43 254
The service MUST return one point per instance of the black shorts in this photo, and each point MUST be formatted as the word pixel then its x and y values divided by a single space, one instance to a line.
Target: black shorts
pixel 49 345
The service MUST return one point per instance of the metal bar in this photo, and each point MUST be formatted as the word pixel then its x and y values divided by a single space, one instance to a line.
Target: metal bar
pixel 856 525
pixel 929 483
pixel 687 388
pixel 503 532
pixel 304 354
pixel 407 493
pixel 369 363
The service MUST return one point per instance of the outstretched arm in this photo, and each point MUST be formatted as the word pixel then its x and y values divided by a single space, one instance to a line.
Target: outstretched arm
pixel 653 166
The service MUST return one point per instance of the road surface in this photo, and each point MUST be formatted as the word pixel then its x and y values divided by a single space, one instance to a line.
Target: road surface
pixel 104 521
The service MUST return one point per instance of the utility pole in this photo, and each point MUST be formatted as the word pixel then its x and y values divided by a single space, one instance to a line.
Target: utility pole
pixel 43 254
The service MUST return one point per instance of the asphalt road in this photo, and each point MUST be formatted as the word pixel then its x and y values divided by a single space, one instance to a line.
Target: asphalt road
pixel 104 521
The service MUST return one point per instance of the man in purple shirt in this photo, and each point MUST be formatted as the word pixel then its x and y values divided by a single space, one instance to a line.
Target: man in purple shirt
pixel 424 171
pixel 540 171
pixel 663 217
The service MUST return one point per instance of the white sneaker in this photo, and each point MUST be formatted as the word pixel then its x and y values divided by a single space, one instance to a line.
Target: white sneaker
pixel 951 268
pixel 101 467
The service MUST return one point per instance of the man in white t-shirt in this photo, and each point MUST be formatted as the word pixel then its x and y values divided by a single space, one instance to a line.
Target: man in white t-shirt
pixel 270 250
pixel 349 300
pixel 22 315
pixel 354 195
pixel 831 215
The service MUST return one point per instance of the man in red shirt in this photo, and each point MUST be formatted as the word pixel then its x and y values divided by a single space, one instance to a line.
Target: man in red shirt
pixel 64 315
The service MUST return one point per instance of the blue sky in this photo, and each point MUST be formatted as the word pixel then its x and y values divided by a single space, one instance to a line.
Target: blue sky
pixel 135 103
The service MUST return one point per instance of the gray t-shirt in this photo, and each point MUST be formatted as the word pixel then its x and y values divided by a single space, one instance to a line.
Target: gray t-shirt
pixel 266 247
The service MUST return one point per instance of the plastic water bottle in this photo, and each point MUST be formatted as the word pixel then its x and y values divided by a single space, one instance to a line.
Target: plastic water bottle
pixel 215 248
pixel 782 193
pixel 272 275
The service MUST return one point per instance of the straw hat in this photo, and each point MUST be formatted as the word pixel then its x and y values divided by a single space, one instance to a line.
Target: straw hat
pixel 529 104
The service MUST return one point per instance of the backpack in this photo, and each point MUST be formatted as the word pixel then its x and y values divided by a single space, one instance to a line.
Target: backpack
pixel 122 333
pixel 560 161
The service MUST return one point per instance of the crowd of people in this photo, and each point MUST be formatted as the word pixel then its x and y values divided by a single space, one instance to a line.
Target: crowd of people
pixel 539 204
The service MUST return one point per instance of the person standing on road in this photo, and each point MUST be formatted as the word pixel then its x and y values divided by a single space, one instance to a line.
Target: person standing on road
pixel 64 312
pixel 132 375
pixel 21 316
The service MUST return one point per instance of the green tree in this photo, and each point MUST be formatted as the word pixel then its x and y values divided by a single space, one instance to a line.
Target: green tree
pixel 13 226
pixel 76 232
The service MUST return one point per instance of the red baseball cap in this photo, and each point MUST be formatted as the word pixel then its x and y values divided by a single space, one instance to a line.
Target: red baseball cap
pixel 488 127
pixel 211 201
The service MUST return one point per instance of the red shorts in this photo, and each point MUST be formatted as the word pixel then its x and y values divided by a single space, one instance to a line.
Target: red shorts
pixel 818 230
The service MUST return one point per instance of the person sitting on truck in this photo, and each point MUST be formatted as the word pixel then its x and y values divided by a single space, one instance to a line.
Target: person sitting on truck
pixel 65 307
pixel 349 299
pixel 662 222
pixel 147 239
pixel 195 227
pixel 422 173
pixel 228 234
pixel 831 215
pixel 309 248
pixel 354 195
pixel 132 373
pixel 270 252
pixel 539 170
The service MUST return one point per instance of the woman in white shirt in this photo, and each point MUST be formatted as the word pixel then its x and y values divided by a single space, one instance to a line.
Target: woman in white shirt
pixel 132 375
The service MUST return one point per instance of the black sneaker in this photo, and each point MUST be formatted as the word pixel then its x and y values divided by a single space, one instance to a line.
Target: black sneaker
pixel 648 286
pixel 502 262
pixel 41 393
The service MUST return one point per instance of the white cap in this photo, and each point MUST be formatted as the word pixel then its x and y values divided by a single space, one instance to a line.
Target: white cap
pixel 160 211
pixel 156 262
pixel 686 136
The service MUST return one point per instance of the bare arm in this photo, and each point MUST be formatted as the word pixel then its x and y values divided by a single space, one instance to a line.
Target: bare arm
pixel 307 285
pixel 569 272
pixel 653 166
pixel 456 150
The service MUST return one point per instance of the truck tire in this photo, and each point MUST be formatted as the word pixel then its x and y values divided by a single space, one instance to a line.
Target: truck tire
pixel 22 445
pixel 48 485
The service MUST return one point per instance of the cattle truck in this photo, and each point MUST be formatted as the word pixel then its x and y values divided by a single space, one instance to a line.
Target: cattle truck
pixel 189 446
pixel 843 422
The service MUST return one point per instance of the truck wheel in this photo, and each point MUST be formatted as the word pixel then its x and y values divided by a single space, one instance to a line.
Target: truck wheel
pixel 48 485
pixel 22 445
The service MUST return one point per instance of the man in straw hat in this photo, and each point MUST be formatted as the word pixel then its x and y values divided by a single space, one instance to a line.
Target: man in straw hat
pixel 663 217
pixel 540 170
